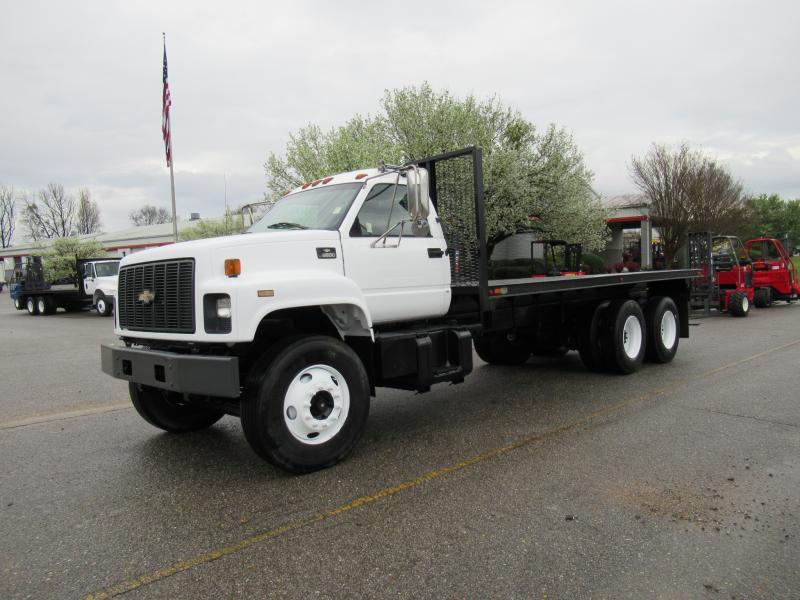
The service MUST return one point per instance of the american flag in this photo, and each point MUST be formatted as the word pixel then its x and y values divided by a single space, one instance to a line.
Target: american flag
pixel 167 102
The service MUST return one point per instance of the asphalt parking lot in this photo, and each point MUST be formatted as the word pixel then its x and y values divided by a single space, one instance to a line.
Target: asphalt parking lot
pixel 544 481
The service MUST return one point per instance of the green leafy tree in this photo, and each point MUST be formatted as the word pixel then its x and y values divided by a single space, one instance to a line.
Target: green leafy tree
pixel 230 224
pixel 59 260
pixel 531 177
pixel 773 215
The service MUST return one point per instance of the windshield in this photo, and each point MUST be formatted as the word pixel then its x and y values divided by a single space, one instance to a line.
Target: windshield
pixel 106 269
pixel 317 208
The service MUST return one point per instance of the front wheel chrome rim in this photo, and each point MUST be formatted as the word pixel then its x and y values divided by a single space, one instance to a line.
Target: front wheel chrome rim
pixel 101 306
pixel 316 404
pixel 632 337
pixel 669 329
pixel 745 304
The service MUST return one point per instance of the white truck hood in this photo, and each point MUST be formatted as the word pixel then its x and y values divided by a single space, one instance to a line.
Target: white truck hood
pixel 108 285
pixel 207 247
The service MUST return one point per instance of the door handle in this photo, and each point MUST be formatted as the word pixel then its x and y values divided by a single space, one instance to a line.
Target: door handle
pixel 435 253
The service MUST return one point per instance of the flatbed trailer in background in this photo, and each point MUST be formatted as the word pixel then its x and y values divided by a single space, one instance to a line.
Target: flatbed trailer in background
pixel 92 284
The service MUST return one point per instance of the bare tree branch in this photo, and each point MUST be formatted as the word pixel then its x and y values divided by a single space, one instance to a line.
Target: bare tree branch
pixel 663 176
pixel 687 191
pixel 88 217
pixel 8 215
pixel 52 215
pixel 150 215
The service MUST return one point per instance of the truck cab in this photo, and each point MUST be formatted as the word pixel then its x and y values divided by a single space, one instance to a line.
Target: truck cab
pixel 346 244
pixel 774 273
pixel 100 283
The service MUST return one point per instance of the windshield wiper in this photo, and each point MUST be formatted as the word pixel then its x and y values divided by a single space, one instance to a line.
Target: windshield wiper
pixel 285 225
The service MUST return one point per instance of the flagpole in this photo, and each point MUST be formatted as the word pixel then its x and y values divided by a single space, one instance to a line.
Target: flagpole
pixel 172 186
pixel 168 140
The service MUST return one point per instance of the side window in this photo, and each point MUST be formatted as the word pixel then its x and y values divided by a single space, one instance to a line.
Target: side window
pixel 741 252
pixel 772 252
pixel 756 251
pixel 382 210
pixel 721 247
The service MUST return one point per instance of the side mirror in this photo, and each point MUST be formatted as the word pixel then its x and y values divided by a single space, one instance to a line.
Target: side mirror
pixel 418 193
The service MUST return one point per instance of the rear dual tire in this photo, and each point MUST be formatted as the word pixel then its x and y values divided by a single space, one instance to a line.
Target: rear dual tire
pixel 622 337
pixel 617 336
pixel 663 330
pixel 45 305
pixel 589 337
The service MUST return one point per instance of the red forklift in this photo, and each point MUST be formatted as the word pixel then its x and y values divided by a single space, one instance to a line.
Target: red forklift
pixel 774 273
pixel 725 281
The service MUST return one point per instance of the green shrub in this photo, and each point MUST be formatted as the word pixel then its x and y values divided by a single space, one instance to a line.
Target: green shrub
pixel 593 264
pixel 59 260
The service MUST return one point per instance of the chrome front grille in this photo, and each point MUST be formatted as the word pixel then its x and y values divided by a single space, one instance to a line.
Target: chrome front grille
pixel 157 296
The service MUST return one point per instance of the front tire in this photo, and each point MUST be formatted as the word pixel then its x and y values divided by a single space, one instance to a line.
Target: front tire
pixel 19 304
pixel 102 306
pixel 663 330
pixel 171 411
pixel 739 304
pixel 306 403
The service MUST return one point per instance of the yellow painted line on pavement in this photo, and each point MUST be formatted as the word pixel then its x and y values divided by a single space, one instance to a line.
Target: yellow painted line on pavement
pixel 207 557
pixel 60 416
pixel 748 359
pixel 132 584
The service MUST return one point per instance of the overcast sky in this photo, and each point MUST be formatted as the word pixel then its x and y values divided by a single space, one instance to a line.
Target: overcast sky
pixel 81 85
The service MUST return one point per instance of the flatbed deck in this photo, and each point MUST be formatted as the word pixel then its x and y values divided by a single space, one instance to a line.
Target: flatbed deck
pixel 545 285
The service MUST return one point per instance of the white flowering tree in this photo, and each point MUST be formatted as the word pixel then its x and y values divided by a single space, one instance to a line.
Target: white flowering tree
pixel 531 178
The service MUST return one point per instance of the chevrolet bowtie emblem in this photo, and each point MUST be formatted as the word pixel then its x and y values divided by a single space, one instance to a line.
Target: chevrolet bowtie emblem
pixel 146 297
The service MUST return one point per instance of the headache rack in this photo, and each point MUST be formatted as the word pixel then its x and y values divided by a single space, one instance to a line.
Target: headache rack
pixel 456 190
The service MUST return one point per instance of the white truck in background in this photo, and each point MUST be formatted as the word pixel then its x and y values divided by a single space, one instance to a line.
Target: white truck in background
pixel 368 279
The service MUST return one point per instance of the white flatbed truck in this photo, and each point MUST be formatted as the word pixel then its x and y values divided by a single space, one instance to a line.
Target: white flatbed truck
pixel 93 284
pixel 369 279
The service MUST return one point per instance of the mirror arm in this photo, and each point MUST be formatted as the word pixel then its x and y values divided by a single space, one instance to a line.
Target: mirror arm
pixel 385 234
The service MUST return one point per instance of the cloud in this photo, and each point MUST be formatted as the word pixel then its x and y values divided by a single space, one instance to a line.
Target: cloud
pixel 85 82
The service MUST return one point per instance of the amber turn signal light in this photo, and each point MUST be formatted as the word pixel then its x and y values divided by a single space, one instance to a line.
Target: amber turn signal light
pixel 233 267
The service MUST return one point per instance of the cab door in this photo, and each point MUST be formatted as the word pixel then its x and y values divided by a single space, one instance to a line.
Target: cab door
pixel 402 276
pixel 89 279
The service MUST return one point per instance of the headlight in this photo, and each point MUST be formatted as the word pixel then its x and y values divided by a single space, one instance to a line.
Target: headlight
pixel 217 313
pixel 224 307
